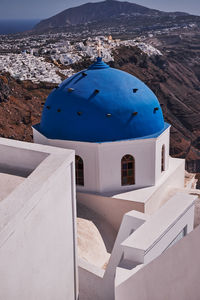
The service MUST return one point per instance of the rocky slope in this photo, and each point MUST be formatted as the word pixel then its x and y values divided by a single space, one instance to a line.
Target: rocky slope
pixel 20 106
pixel 181 91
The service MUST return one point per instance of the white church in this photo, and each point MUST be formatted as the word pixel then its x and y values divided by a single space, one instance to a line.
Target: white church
pixel 96 208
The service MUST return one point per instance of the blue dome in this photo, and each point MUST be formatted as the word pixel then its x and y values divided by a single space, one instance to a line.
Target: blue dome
pixel 101 104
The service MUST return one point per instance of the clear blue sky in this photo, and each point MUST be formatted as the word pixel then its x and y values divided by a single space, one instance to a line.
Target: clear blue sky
pixel 40 9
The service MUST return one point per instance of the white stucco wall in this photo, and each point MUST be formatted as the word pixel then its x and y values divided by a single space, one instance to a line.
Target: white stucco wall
pixel 151 239
pixel 152 198
pixel 174 275
pixel 38 228
pixel 20 161
pixel 110 155
pixel 167 186
pixel 87 151
pixel 130 223
pixel 112 210
pixel 102 161
pixel 141 239
pixel 163 139
pixel 95 283
pixel 90 281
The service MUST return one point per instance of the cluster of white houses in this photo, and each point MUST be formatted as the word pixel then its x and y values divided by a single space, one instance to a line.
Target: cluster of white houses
pixel 109 137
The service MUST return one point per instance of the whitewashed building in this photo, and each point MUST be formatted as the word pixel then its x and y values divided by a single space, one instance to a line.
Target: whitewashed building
pixel 135 217
pixel 132 189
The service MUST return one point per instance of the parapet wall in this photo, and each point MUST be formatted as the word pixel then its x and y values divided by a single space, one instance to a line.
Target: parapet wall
pixel 174 275
pixel 38 225
pixel 111 209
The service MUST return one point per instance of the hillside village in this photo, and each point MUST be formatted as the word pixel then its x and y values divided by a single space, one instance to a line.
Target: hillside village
pixel 47 61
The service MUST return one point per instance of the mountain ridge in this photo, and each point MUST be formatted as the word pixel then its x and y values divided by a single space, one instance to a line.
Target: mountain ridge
pixel 100 11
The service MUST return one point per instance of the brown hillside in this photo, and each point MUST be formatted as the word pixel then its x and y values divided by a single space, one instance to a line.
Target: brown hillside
pixel 20 106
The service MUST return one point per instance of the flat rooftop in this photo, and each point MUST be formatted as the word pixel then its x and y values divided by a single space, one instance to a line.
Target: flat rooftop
pixel 8 183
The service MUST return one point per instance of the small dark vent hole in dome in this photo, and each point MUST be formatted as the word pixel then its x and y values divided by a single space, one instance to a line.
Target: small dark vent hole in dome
pixel 79 113
pixel 135 91
pixel 70 90
pixel 84 74
pixel 58 110
pixel 134 113
pixel 96 91
pixel 48 107
pixel 155 109
pixel 108 115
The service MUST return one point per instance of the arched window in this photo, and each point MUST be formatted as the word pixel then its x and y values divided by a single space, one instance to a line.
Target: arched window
pixel 163 158
pixel 128 170
pixel 79 170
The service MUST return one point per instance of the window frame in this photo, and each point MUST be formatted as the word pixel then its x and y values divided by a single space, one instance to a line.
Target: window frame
pixel 163 167
pixel 127 170
pixel 79 170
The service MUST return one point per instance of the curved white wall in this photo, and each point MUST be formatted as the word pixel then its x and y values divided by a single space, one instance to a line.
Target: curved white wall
pixel 102 161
